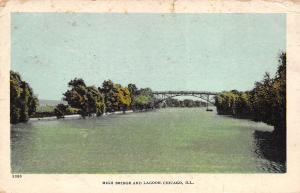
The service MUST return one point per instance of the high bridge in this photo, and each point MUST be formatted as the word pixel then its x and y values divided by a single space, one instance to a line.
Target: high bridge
pixel 207 96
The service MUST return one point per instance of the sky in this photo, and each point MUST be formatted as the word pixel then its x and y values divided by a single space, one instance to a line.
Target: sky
pixel 205 52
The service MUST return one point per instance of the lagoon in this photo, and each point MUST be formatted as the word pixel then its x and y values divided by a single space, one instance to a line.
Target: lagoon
pixel 170 140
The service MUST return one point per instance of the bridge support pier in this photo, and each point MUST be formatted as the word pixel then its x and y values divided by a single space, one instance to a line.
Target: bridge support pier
pixel 207 100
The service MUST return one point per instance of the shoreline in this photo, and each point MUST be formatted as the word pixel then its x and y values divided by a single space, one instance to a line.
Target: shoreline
pixel 75 116
pixel 78 116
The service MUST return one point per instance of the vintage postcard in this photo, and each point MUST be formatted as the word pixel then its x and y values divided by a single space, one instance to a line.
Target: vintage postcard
pixel 163 96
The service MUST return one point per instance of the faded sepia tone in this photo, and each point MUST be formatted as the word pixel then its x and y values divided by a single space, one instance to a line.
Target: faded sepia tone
pixel 203 182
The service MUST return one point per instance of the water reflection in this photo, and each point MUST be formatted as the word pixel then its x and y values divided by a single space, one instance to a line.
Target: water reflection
pixel 169 140
pixel 271 150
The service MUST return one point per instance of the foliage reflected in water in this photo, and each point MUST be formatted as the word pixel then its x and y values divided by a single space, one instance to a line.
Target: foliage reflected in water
pixel 171 140
pixel 272 148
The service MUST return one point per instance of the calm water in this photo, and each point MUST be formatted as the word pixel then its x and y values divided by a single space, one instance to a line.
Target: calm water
pixel 165 140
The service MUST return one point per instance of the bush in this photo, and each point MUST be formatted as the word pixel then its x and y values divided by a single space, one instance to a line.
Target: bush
pixel 61 110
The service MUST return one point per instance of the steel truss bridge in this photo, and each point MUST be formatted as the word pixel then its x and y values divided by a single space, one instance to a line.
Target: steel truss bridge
pixel 207 96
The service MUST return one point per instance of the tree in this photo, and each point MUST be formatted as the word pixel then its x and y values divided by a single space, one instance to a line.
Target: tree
pixel 124 98
pixel 110 95
pixel 188 103
pixel 280 93
pixel 133 94
pixel 86 98
pixel 15 93
pixel 60 110
pixel 95 100
pixel 24 114
pixel 266 102
pixel 145 99
pixel 23 103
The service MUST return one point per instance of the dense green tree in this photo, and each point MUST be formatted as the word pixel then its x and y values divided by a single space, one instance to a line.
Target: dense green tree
pixel 200 103
pixel 171 102
pixel 133 94
pixel 87 99
pixel 145 99
pixel 116 96
pixel 242 105
pixel 23 103
pixel 95 100
pixel 266 102
pixel 225 102
pixel 133 90
pixel 124 97
pixel 280 99
pixel 24 113
pixel 262 97
pixel 60 110
pixel 188 103
pixel 15 93
pixel 110 96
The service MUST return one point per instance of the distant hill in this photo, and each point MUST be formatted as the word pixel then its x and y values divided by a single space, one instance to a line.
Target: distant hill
pixel 44 102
